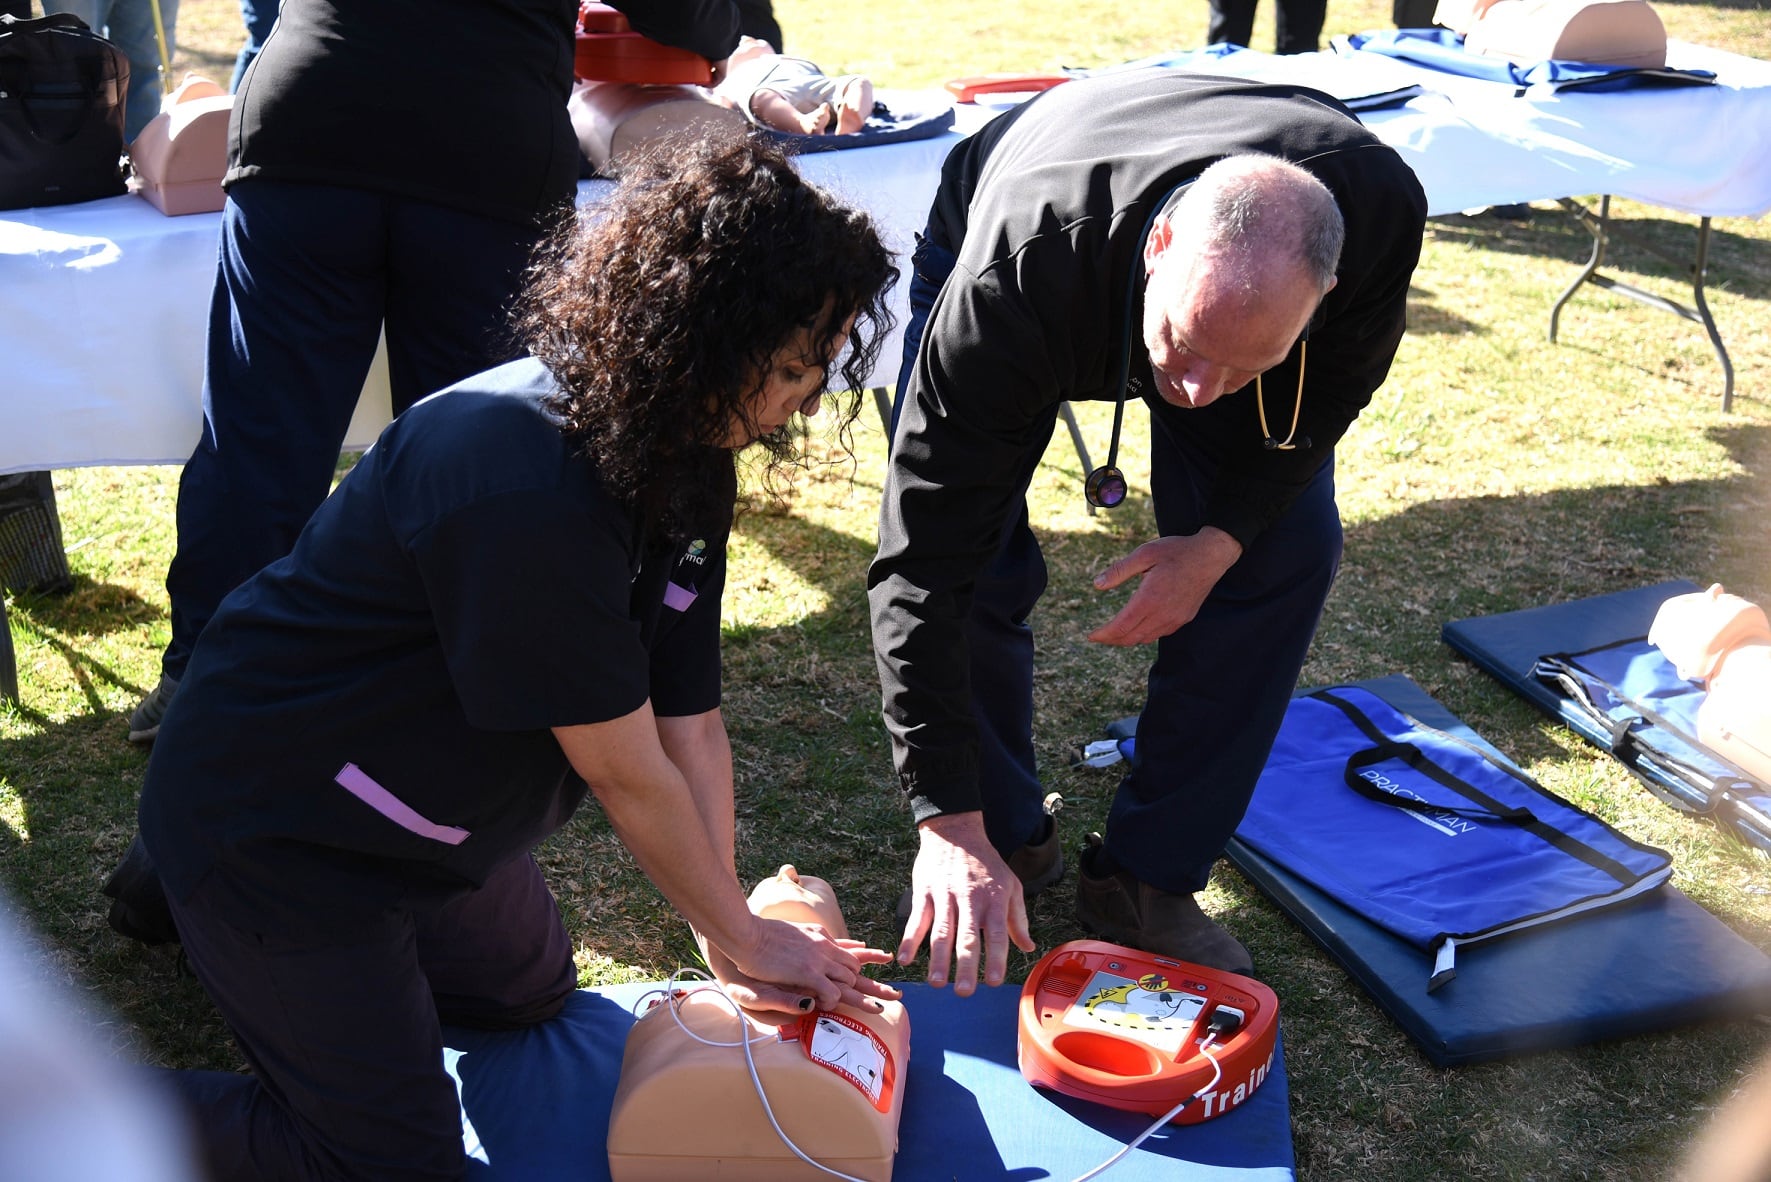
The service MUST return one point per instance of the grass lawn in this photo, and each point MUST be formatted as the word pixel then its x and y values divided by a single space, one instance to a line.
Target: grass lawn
pixel 1493 471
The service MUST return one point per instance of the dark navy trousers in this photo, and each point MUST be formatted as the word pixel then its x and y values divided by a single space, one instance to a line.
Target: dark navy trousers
pixel 1219 686
pixel 343 1032
pixel 308 274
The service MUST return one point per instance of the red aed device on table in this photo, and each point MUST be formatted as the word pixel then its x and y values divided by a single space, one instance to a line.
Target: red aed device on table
pixel 608 50
pixel 1125 1028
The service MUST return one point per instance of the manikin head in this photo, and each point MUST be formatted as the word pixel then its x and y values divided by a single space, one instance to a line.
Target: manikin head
pixel 749 49
pixel 1697 632
pixel 799 898
pixel 1235 271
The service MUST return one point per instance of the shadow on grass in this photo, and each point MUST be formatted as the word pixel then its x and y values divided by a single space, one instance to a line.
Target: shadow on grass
pixel 1428 317
pixel 1741 263
pixel 89 610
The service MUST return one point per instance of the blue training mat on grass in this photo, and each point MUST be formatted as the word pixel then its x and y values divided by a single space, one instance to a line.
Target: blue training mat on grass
pixel 1648 724
pixel 535 1103
pixel 1597 977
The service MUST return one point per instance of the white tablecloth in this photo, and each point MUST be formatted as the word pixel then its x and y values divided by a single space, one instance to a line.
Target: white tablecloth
pixel 1702 150
pixel 103 305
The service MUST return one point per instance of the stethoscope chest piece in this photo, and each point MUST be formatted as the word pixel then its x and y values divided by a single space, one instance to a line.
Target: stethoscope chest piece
pixel 1105 487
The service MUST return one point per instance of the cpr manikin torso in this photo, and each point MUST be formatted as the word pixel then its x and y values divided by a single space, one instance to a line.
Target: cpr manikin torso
pixel 834 1079
pixel 1724 642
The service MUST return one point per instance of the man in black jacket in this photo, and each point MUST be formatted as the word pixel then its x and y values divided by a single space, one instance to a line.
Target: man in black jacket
pixel 1078 249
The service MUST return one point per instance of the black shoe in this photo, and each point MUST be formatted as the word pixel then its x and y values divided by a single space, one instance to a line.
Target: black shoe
pixel 1121 910
pixel 138 901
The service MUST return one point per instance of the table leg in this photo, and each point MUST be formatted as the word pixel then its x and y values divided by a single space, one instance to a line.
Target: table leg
pixel 1601 228
pixel 8 663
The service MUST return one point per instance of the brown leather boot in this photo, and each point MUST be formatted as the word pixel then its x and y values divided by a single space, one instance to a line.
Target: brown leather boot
pixel 1038 864
pixel 1121 910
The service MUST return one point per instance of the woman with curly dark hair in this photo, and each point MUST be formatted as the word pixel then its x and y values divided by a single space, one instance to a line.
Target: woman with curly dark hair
pixel 514 594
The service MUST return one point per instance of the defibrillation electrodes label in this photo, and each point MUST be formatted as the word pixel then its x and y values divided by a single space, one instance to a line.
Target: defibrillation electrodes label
pixel 852 1051
pixel 1147 1009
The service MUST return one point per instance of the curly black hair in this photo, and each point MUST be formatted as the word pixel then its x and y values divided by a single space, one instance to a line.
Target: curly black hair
pixel 659 310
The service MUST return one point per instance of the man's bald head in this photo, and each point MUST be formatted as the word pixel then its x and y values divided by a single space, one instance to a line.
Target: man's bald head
pixel 1236 270
pixel 1254 215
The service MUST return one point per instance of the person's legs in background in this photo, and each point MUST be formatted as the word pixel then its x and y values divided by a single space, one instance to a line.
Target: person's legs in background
pixel 129 25
pixel 308 275
pixel 1413 14
pixel 1299 25
pixel 1231 21
pixel 448 310
pixel 293 325
pixel 343 1033
pixel 1217 693
pixel 132 28
pixel 258 16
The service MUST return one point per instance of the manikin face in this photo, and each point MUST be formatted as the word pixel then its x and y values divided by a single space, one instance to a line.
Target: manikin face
pixel 1206 340
pixel 793 385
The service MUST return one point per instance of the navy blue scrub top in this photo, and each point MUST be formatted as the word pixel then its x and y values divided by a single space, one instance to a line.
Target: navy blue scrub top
pixel 365 723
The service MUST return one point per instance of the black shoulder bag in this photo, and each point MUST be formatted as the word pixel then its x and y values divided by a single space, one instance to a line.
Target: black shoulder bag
pixel 62 89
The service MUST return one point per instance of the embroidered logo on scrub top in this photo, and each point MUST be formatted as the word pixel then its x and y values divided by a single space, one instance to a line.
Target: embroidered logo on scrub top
pixel 677 596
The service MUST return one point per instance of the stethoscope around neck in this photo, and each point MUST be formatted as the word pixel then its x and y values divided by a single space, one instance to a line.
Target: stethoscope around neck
pixel 1106 486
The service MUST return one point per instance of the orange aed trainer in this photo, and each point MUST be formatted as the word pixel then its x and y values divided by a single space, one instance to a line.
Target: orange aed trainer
pixel 1128 1029
pixel 693 1104
pixel 608 50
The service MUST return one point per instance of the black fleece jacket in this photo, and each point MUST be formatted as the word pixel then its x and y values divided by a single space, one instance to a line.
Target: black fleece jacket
pixel 1045 209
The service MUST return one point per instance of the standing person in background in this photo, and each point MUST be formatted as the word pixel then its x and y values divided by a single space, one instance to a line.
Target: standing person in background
pixel 258 16
pixel 365 188
pixel 129 25
pixel 1297 24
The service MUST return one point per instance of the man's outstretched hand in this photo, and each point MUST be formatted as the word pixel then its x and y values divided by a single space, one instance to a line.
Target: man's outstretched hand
pixel 966 901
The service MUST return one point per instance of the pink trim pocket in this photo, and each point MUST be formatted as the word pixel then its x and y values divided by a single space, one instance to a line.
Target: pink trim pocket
pixel 356 781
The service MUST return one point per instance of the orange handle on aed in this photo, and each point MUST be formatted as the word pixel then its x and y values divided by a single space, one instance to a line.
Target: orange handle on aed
pixel 967 90
pixel 1133 1031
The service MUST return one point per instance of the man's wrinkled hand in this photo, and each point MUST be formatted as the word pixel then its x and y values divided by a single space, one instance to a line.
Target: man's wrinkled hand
pixel 966 902
pixel 1174 575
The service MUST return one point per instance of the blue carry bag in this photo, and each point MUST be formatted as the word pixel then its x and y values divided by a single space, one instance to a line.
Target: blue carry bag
pixel 1427 836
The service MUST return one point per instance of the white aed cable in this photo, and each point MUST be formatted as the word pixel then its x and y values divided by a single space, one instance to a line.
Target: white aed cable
pixel 1217 1073
pixel 674 997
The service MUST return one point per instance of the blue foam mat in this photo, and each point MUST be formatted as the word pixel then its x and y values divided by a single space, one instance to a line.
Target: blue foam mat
pixel 1657 964
pixel 1508 644
pixel 536 1103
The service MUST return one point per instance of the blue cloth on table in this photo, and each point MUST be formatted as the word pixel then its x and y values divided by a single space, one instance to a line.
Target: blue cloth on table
pixel 535 1103
pixel 1442 49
